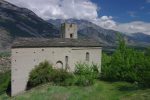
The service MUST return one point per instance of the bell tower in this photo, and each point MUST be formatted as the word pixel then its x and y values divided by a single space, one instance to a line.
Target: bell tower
pixel 69 31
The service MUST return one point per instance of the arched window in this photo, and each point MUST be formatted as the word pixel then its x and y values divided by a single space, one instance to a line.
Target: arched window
pixel 59 65
pixel 87 56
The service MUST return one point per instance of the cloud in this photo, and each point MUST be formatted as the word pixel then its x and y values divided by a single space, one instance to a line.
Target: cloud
pixel 134 27
pixel 130 27
pixel 56 9
pixel 132 13
pixel 105 22
pixel 148 1
pixel 142 7
pixel 65 9
pixel 80 9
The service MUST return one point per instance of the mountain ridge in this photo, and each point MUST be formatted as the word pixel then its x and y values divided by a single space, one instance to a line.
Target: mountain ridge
pixel 21 22
pixel 107 36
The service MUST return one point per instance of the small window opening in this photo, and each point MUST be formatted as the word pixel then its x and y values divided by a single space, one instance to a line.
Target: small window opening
pixel 70 25
pixel 71 35
pixel 87 56
pixel 66 60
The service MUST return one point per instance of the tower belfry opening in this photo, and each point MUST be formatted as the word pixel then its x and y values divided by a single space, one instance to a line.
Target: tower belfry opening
pixel 69 31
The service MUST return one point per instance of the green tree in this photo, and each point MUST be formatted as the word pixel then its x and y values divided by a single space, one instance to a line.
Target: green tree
pixel 127 64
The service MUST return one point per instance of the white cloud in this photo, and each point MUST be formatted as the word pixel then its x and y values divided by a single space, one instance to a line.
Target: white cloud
pixel 105 22
pixel 65 9
pixel 148 1
pixel 133 27
pixel 56 9
pixel 80 9
pixel 130 27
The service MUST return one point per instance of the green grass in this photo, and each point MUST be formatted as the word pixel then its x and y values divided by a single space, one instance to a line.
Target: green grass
pixel 4 81
pixel 99 91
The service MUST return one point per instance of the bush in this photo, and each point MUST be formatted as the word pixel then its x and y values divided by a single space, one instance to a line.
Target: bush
pixel 60 76
pixel 44 73
pixel 85 74
pixel 41 74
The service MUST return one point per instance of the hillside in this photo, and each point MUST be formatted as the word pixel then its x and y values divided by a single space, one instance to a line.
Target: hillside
pixel 20 22
pixel 141 37
pixel 99 91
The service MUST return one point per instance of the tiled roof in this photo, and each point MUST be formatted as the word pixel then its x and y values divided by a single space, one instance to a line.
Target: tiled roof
pixel 54 42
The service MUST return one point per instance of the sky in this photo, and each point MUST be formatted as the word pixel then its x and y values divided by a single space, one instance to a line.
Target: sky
pixel 125 10
pixel 128 16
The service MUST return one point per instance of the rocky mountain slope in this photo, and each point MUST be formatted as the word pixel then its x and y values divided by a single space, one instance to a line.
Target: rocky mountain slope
pixel 141 37
pixel 20 22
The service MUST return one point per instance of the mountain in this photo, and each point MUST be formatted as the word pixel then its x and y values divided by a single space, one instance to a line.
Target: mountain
pixel 106 36
pixel 89 30
pixel 20 22
pixel 141 37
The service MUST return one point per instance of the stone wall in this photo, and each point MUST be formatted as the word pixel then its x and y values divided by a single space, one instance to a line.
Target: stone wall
pixel 24 60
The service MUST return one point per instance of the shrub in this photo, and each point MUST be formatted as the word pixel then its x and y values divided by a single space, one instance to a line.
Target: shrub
pixel 41 74
pixel 85 74
pixel 44 73
pixel 60 76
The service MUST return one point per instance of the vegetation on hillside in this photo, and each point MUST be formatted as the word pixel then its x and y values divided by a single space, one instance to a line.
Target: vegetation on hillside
pixel 127 64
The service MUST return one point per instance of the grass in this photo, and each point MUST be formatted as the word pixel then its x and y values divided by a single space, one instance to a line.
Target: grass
pixel 4 81
pixel 99 91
